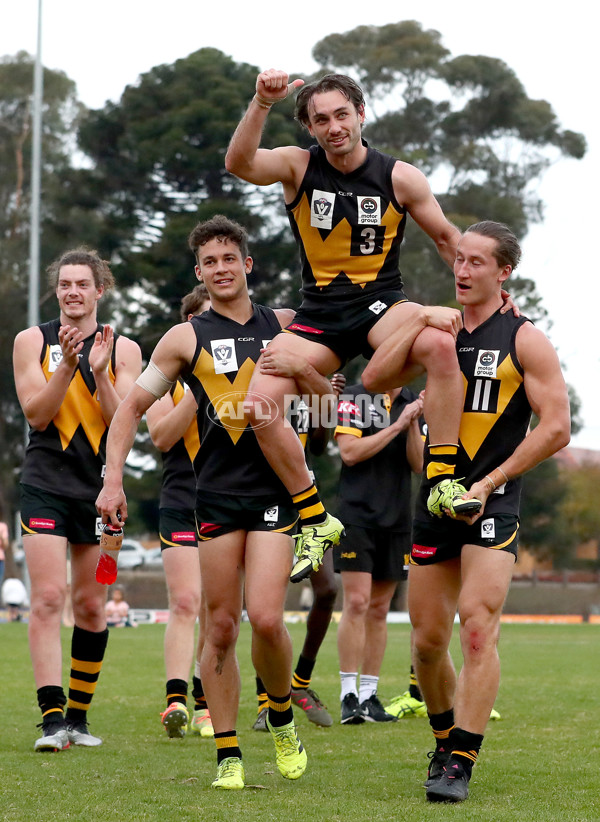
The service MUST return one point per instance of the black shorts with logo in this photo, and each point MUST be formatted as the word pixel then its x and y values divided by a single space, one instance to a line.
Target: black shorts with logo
pixel 441 539
pixel 218 514
pixel 379 552
pixel 176 527
pixel 344 326
pixel 54 515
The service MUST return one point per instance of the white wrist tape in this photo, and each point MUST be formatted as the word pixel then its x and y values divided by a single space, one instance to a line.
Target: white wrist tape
pixel 154 381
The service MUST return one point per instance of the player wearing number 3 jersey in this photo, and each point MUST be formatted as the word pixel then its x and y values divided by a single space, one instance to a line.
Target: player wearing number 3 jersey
pixel 348 205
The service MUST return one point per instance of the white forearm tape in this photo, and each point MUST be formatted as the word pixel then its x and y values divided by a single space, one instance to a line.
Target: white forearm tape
pixel 154 381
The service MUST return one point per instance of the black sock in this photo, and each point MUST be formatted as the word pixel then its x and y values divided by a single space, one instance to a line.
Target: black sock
pixel 303 673
pixel 442 725
pixel 280 710
pixel 87 654
pixel 198 694
pixel 261 695
pixel 52 700
pixel 413 687
pixel 440 462
pixel 465 747
pixel 177 690
pixel 227 745
pixel 310 507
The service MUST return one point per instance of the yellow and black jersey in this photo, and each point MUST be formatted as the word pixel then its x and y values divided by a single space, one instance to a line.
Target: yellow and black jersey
pixel 68 458
pixel 496 412
pixel 375 493
pixel 230 459
pixel 179 482
pixel 348 227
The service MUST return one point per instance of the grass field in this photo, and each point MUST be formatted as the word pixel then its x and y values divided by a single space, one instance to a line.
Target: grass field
pixel 539 763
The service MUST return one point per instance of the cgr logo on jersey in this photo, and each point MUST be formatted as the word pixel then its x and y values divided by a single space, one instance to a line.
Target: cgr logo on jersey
pixel 54 357
pixel 487 363
pixel 488 529
pixel 321 209
pixel 369 210
pixel 224 356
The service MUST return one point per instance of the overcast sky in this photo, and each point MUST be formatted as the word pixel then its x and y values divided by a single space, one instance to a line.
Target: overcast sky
pixel 554 51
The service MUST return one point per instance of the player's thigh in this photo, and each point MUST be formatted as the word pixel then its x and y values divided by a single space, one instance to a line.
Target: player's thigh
pixel 268 565
pixel 392 320
pixel 486 576
pixel 182 571
pixel 433 592
pixel 46 558
pixel 222 572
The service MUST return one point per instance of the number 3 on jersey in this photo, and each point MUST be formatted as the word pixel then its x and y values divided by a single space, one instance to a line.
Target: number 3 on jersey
pixel 367 240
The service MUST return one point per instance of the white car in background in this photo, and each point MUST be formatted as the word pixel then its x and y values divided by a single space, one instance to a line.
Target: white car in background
pixel 153 558
pixel 131 555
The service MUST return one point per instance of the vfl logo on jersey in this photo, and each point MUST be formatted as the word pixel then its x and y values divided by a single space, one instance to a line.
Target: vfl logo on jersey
pixel 321 209
pixel 224 356
pixel 369 210
pixel 488 529
pixel 272 515
pixel 377 307
pixel 487 363
pixel 54 357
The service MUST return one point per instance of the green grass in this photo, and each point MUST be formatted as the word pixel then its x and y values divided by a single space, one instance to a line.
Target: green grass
pixel 539 763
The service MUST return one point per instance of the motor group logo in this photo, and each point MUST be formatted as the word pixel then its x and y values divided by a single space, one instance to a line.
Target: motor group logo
pixel 369 210
pixel 487 363
pixel 231 410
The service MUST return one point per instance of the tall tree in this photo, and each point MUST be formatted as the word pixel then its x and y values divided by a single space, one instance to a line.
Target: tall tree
pixel 158 158
pixel 466 122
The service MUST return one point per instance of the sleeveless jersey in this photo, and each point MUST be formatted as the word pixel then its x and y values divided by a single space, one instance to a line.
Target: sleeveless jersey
pixel 376 492
pixel 68 458
pixel 496 412
pixel 179 481
pixel 348 227
pixel 230 460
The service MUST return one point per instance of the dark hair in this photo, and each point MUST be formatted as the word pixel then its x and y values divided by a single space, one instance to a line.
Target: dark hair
pixel 192 302
pixel 330 82
pixel 83 256
pixel 220 228
pixel 508 250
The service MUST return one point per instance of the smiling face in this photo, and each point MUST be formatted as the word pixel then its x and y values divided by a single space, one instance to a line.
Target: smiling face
pixel 77 292
pixel 223 269
pixel 335 123
pixel 477 274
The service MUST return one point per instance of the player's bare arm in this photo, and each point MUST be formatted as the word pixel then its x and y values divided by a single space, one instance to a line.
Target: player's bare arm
pixel 549 400
pixel 260 166
pixel 413 191
pixel 167 422
pixel 40 398
pixel 171 354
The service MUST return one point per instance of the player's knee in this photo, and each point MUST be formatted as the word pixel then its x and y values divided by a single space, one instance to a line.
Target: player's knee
pixel 48 602
pixel 429 646
pixel 356 604
pixel 185 604
pixel 222 630
pixel 267 625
